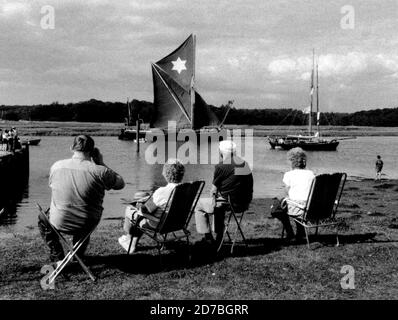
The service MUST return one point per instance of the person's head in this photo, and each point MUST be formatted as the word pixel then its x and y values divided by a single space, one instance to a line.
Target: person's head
pixel 173 171
pixel 297 158
pixel 378 157
pixel 5 131
pixel 227 148
pixel 83 143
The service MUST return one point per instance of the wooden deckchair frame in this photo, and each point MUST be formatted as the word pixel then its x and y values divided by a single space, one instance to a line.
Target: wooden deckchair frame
pixel 329 219
pixel 72 250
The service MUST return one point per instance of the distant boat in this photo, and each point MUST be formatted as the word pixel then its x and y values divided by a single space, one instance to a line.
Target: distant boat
pixel 31 142
pixel 312 141
pixel 176 97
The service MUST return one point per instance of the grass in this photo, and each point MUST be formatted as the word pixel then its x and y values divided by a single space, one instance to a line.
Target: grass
pixel 268 269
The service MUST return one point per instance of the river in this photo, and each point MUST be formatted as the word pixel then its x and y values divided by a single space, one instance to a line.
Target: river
pixel 355 157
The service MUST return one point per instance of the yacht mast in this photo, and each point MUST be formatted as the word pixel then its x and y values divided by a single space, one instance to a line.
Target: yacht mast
pixel 318 114
pixel 312 95
pixel 192 84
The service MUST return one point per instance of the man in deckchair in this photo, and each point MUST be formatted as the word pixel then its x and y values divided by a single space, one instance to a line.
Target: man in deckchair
pixel 232 178
pixel 78 188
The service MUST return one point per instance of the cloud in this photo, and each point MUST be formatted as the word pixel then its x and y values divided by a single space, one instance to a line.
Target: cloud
pixel 333 65
pixel 8 8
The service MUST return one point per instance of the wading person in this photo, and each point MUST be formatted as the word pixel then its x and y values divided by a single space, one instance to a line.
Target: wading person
pixel 232 178
pixel 77 191
pixel 173 172
pixel 297 184
pixel 379 167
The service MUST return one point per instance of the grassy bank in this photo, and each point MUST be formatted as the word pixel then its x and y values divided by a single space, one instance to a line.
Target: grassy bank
pixel 268 269
pixel 48 128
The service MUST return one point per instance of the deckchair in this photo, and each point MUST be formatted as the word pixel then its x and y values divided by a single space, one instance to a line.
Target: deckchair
pixel 322 204
pixel 72 250
pixel 175 217
pixel 232 216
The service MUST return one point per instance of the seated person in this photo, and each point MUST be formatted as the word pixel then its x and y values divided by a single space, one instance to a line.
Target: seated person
pixel 233 178
pixel 173 172
pixel 78 188
pixel 298 183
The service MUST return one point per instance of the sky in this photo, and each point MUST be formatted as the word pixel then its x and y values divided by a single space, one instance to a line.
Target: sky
pixel 257 53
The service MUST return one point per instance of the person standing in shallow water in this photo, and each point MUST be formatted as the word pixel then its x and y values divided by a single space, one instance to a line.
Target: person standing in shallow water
pixel 378 167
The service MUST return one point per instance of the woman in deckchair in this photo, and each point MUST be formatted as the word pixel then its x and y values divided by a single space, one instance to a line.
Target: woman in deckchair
pixel 297 183
pixel 173 172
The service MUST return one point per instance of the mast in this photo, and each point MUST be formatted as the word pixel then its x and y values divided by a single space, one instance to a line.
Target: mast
pixel 192 92
pixel 128 112
pixel 312 94
pixel 318 115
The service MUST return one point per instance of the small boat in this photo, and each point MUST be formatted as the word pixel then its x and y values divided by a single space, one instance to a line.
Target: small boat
pixel 309 143
pixel 31 142
pixel 312 141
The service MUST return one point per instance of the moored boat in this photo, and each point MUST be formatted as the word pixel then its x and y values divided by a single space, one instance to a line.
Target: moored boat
pixel 312 141
pixel 31 142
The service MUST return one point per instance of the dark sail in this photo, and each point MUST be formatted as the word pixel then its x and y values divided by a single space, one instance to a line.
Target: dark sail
pixel 173 82
pixel 171 101
pixel 203 116
pixel 179 64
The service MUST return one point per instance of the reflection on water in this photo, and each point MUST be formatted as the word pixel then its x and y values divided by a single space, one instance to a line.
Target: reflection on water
pixel 356 157
pixel 12 195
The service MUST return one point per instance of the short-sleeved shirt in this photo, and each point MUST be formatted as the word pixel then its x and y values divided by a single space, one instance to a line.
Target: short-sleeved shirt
pixel 158 201
pixel 379 165
pixel 78 188
pixel 233 177
pixel 299 182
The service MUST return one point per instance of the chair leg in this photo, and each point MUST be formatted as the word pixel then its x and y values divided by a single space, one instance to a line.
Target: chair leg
pixel 131 242
pixel 238 224
pixel 225 232
pixel 307 237
pixel 189 250
pixel 337 237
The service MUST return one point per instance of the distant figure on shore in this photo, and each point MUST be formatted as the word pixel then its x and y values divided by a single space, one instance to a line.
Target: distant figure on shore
pixel 378 167
pixel 173 172
pixel 78 188
pixel 7 140
pixel 227 182
pixel 297 183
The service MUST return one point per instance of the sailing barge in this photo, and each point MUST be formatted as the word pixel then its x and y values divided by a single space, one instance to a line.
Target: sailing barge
pixel 176 99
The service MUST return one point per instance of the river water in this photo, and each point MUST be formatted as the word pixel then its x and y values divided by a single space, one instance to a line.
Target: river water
pixel 355 157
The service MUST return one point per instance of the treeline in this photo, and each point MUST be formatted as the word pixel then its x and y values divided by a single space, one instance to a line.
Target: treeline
pixel 99 111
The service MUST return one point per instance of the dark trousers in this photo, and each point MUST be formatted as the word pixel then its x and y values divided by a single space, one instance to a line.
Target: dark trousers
pixel 53 242
pixel 284 218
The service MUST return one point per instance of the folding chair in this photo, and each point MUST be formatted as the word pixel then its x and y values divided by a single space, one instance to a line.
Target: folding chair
pixel 175 217
pixel 322 204
pixel 72 250
pixel 237 217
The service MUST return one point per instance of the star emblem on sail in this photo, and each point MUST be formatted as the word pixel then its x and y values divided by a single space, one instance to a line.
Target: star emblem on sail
pixel 179 65
pixel 175 98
